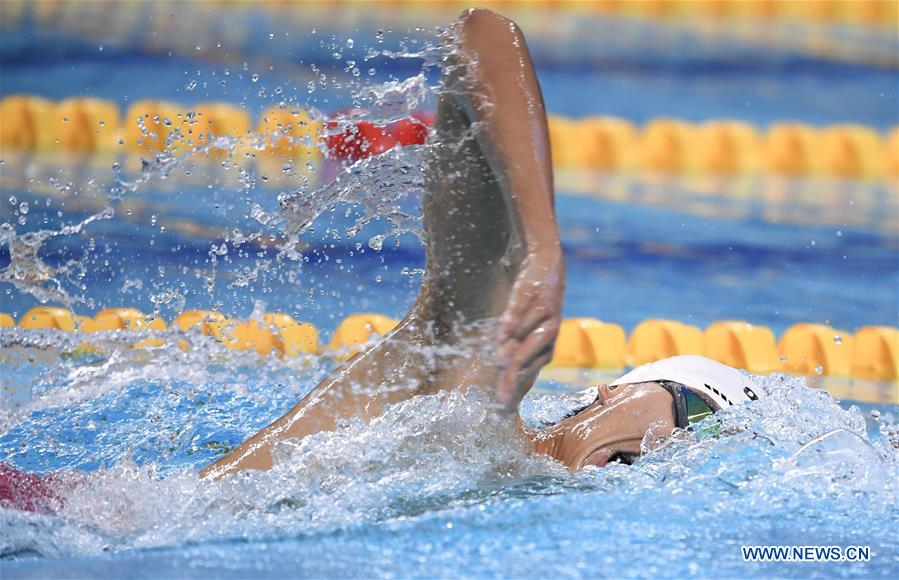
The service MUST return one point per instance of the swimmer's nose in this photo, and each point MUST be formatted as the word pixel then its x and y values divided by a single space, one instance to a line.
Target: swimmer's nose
pixel 603 394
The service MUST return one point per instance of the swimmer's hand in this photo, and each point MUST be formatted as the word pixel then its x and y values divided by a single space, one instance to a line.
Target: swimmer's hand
pixel 528 328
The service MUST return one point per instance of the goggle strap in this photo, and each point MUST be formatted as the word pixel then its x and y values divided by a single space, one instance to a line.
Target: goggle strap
pixel 681 420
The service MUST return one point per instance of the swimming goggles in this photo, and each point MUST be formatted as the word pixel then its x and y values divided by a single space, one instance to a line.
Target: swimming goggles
pixel 688 406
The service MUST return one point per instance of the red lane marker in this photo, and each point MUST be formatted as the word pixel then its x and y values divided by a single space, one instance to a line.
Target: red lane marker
pixel 411 130
pixel 360 139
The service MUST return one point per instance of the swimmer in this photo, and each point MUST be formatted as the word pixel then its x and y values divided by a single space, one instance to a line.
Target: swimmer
pixel 495 278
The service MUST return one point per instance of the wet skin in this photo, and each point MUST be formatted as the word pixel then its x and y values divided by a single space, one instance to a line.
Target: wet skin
pixel 613 427
pixel 494 280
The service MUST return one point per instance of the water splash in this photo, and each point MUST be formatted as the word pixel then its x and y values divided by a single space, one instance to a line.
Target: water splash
pixel 769 457
pixel 378 184
pixel 29 273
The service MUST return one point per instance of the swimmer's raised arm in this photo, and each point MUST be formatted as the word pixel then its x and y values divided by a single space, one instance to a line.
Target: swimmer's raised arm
pixel 493 253
pixel 504 98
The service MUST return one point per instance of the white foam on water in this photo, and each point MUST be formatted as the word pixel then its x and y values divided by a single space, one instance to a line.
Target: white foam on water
pixel 451 449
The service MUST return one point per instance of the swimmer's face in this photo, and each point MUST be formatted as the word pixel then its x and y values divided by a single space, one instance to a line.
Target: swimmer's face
pixel 612 428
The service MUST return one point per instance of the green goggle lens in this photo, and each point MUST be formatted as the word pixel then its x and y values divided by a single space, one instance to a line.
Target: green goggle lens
pixel 697 409
pixel 688 407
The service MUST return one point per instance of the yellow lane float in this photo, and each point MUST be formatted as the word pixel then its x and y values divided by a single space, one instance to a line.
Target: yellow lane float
pixel 815 349
pixel 656 339
pixel 86 125
pixel 875 353
pixel 357 329
pixel 589 343
pixel 213 120
pixel 289 132
pixel 296 337
pixel 727 147
pixel 26 124
pixel 48 317
pixel 586 343
pixel 148 126
pixel 126 319
pixel 210 323
pixel 741 345
pixel 665 146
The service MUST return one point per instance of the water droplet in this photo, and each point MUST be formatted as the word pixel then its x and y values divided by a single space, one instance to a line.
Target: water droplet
pixel 23 208
pixel 191 85
pixel 837 339
pixel 839 233
pixel 349 43
pixel 819 370
pixel 254 78
pixel 13 200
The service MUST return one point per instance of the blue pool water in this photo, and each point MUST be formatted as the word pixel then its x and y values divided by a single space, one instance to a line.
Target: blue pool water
pixel 439 486
pixel 394 498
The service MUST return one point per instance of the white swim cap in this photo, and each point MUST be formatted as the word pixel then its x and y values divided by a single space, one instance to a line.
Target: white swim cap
pixel 718 384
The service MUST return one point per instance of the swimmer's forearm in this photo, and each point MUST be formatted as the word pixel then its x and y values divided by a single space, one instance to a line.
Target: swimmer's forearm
pixel 390 371
pixel 257 451
pixel 318 411
pixel 506 100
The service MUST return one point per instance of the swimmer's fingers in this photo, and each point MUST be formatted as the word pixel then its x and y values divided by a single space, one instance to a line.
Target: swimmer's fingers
pixel 524 363
pixel 524 318
pixel 538 312
pixel 545 326
pixel 536 297
pixel 523 313
pixel 527 375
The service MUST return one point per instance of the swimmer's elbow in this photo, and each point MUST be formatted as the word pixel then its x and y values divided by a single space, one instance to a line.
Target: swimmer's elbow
pixel 482 22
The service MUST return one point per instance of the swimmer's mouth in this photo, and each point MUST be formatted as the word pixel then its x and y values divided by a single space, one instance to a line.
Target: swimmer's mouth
pixel 603 456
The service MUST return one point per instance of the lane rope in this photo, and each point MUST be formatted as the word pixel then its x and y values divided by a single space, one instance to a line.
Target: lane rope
pixel 871 353
pixel 665 146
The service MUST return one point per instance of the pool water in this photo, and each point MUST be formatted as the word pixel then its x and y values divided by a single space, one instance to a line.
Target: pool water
pixel 436 486
pixel 440 485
